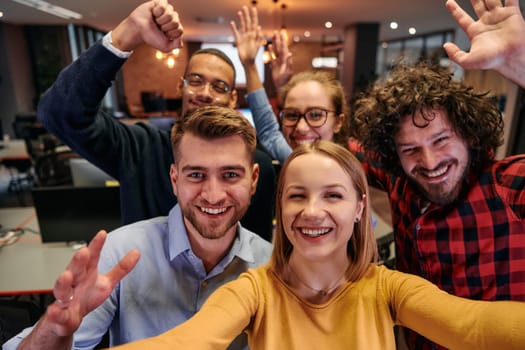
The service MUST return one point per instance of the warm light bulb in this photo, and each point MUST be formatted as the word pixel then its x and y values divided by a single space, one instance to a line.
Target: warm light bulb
pixel 159 55
pixel 176 52
pixel 170 62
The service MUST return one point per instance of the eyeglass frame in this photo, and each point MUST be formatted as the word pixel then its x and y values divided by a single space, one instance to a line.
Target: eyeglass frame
pixel 303 116
pixel 213 84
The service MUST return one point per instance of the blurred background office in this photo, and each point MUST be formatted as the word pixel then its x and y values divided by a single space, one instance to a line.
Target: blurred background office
pixel 356 41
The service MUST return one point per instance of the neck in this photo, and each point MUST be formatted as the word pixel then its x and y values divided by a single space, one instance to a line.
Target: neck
pixel 210 250
pixel 316 281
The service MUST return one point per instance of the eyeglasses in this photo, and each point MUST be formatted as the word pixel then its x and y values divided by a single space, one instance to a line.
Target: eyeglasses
pixel 315 117
pixel 196 82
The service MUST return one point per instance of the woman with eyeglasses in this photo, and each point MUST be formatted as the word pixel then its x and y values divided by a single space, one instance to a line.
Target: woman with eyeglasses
pixel 314 104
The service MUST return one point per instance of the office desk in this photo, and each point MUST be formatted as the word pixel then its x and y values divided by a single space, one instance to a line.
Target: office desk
pixel 29 266
pixel 13 150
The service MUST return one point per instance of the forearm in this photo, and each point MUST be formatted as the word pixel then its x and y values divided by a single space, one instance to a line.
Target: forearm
pixel 267 126
pixel 253 82
pixel 43 337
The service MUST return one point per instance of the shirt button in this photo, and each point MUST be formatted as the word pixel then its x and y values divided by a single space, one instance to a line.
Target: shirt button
pixel 418 227
pixel 204 284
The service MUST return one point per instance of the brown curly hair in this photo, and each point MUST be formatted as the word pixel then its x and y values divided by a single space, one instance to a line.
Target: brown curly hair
pixel 334 90
pixel 421 88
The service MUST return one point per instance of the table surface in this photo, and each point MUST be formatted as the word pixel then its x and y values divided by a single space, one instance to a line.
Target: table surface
pixel 29 266
pixel 13 150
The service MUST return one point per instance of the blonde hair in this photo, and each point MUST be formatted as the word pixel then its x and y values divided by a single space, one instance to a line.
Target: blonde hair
pixel 362 248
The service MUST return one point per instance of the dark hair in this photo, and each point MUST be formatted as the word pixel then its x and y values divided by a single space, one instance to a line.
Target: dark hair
pixel 213 122
pixel 422 88
pixel 217 53
pixel 362 248
pixel 335 92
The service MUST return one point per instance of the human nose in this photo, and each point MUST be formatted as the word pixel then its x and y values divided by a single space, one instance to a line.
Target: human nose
pixel 428 158
pixel 213 191
pixel 312 209
pixel 302 124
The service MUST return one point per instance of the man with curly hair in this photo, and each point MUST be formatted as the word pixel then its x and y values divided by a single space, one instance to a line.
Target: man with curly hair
pixel 457 212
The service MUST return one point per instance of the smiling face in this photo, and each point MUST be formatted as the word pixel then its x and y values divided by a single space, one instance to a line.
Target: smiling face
pixel 303 96
pixel 209 69
pixel 213 181
pixel 319 208
pixel 435 157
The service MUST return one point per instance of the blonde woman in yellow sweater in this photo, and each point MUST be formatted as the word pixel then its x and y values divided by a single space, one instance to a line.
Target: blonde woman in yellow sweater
pixel 322 288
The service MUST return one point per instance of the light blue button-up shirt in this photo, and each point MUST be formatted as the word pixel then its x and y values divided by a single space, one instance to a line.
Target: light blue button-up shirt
pixel 168 285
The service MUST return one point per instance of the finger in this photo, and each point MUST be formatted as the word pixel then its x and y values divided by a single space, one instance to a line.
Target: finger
pixel 123 267
pixel 460 16
pixel 235 31
pixel 254 17
pixel 243 21
pixel 457 55
pixel 63 289
pixel 247 17
pixel 492 4
pixel 479 7
pixel 94 247
pixel 159 7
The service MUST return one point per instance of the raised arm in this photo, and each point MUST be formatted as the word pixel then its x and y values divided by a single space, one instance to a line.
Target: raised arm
pixel 78 291
pixel 280 60
pixel 154 23
pixel 248 37
pixel 496 38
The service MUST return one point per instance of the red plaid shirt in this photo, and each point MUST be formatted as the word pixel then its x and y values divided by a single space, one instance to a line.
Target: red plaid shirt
pixel 474 248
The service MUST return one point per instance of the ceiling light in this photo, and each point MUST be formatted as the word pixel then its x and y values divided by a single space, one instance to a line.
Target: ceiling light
pixel 411 30
pixel 393 25
pixel 1 14
pixel 307 34
pixel 50 8
pixel 328 25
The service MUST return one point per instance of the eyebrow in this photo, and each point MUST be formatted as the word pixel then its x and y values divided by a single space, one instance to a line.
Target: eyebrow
pixel 326 187
pixel 190 168
pixel 434 136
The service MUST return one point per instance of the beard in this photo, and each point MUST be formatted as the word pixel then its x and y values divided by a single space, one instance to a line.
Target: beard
pixel 212 229
pixel 442 193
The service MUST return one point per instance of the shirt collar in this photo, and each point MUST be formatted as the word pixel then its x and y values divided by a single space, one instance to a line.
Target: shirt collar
pixel 179 242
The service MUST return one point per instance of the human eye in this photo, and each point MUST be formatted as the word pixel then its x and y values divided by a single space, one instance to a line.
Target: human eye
pixel 290 114
pixel 441 140
pixel 220 87
pixel 231 175
pixel 333 195
pixel 195 176
pixel 408 150
pixel 194 80
pixel 315 114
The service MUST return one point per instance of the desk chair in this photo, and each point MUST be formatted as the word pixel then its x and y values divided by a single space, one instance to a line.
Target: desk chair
pixel 53 169
pixel 15 315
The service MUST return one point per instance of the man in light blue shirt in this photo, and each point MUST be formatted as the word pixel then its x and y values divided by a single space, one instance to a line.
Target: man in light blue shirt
pixel 184 257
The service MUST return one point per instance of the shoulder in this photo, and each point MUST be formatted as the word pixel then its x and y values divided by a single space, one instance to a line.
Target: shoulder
pixel 142 235
pixel 259 248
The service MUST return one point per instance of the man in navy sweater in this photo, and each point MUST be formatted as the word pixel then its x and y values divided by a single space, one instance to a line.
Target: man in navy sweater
pixel 139 156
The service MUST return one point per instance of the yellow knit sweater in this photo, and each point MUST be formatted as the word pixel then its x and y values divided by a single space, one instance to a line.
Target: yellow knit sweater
pixel 360 315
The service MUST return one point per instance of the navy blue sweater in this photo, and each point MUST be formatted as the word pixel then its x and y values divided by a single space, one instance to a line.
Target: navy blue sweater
pixel 138 156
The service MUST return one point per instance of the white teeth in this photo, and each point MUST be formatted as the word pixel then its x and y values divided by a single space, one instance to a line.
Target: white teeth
pixel 315 233
pixel 213 211
pixel 438 172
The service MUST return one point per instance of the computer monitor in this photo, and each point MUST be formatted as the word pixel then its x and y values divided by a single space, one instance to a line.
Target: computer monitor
pixel 71 214
pixel 86 174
